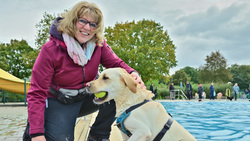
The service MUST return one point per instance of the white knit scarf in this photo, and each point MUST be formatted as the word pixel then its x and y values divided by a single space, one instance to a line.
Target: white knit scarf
pixel 79 55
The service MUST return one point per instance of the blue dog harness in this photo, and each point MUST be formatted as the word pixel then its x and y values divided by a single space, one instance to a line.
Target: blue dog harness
pixel 120 123
pixel 124 115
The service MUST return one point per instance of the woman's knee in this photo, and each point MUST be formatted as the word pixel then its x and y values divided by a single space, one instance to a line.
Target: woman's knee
pixel 88 106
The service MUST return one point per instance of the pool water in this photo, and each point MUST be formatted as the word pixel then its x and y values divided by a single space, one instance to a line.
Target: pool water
pixel 213 120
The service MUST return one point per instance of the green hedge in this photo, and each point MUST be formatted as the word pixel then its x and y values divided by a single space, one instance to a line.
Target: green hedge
pixel 12 97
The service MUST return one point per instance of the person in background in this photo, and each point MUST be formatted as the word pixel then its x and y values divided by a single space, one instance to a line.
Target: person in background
pixel 171 91
pixel 249 91
pixel 189 90
pixel 211 88
pixel 246 93
pixel 63 68
pixel 152 87
pixel 155 92
pixel 200 91
pixel 236 90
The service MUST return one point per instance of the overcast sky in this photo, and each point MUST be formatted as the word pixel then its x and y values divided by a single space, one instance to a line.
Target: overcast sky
pixel 197 27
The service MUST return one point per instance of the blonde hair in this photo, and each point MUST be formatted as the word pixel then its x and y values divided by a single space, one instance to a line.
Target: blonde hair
pixel 68 23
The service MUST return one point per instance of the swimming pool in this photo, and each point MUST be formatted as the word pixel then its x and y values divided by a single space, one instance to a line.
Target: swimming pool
pixel 213 120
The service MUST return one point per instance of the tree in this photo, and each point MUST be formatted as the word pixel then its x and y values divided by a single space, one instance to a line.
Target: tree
pixel 241 75
pixel 3 57
pixel 144 46
pixel 193 73
pixel 43 29
pixel 180 76
pixel 215 70
pixel 18 58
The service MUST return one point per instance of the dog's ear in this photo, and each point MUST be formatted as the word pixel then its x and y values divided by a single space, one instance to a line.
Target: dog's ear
pixel 129 81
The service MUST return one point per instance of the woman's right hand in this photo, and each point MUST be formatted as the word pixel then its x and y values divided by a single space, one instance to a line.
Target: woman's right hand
pixel 38 138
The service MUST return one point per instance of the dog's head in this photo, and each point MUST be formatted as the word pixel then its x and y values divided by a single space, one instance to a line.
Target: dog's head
pixel 114 82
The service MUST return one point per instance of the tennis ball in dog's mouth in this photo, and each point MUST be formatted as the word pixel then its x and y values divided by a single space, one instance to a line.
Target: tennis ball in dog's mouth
pixel 100 94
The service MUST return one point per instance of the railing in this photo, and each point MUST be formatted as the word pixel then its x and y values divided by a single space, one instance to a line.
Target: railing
pixel 179 94
pixel 15 88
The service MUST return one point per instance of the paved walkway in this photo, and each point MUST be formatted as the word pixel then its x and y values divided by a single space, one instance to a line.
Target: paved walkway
pixel 83 125
pixel 13 118
pixel 12 122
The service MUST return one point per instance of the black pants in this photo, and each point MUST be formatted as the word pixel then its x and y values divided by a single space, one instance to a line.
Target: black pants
pixel 200 95
pixel 189 95
pixel 235 96
pixel 60 119
pixel 211 95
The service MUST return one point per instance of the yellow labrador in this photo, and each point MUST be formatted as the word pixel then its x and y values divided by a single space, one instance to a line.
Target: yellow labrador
pixel 219 95
pixel 196 96
pixel 144 122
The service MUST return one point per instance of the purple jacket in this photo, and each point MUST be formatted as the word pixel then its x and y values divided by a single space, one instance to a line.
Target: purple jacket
pixel 54 67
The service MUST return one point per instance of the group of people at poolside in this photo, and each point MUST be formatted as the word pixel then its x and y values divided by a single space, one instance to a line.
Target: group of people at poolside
pixel 201 93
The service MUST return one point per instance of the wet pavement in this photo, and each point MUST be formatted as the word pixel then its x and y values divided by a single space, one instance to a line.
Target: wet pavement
pixel 13 121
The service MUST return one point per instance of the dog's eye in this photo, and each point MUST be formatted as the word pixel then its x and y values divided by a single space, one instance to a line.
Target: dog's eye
pixel 105 77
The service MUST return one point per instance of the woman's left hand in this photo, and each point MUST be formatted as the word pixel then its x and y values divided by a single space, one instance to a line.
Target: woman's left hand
pixel 138 79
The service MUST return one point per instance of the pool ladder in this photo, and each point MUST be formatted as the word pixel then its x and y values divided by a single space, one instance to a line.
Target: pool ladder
pixel 180 94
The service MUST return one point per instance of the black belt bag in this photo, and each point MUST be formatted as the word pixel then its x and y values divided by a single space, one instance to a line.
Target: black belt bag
pixel 67 96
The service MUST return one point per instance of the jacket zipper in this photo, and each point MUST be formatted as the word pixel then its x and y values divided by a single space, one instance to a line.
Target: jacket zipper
pixel 83 76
